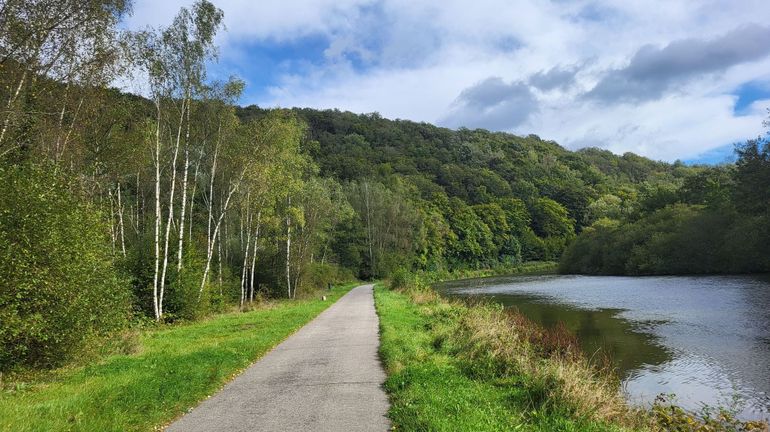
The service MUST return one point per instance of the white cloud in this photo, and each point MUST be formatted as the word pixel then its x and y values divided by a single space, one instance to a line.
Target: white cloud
pixel 419 56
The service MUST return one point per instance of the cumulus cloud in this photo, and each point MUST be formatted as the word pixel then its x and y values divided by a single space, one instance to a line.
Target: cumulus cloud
pixel 556 77
pixel 492 104
pixel 653 71
pixel 505 65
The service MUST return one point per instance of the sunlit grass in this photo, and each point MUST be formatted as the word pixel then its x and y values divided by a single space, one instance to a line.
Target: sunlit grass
pixel 437 382
pixel 173 370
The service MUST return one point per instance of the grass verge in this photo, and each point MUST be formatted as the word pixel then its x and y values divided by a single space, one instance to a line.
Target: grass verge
pixel 173 370
pixel 453 367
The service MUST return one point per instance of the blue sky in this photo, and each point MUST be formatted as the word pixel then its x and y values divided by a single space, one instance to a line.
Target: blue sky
pixel 670 79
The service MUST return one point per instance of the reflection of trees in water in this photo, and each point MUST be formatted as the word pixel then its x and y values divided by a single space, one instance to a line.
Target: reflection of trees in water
pixel 599 331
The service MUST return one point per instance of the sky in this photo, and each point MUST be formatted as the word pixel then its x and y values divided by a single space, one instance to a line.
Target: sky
pixel 670 80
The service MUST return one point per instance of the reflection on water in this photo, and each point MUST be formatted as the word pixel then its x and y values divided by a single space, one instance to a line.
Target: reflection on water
pixel 706 339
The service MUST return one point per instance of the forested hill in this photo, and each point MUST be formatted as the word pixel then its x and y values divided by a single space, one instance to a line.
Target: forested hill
pixel 643 216
pixel 477 166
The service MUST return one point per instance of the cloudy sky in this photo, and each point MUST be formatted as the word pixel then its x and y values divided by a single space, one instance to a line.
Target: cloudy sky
pixel 665 79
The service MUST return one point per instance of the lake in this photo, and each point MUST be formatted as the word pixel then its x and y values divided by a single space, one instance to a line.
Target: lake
pixel 704 338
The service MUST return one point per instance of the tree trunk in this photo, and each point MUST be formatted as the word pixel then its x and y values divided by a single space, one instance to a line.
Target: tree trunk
pixel 245 267
pixel 157 216
pixel 194 190
pixel 209 241
pixel 113 234
pixel 72 126
pixel 184 187
pixel 367 203
pixel 254 257
pixel 9 106
pixel 61 121
pixel 170 218
pixel 210 251
pixel 288 248
pixel 181 216
pixel 120 224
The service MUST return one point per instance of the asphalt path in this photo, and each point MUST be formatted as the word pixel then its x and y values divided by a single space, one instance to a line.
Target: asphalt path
pixel 325 377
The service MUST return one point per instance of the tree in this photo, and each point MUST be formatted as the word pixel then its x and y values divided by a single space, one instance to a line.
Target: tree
pixel 46 45
pixel 175 61
pixel 58 285
pixel 752 176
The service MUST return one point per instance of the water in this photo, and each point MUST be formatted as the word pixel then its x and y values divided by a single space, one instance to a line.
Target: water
pixel 704 338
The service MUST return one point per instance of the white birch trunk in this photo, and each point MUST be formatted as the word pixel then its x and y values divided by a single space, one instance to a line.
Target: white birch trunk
pixel 182 210
pixel 9 105
pixel 254 257
pixel 157 216
pixel 170 218
pixel 288 248
pixel 192 194
pixel 184 187
pixel 72 126
pixel 120 224
pixel 245 269
pixel 210 251
pixel 113 235
pixel 209 237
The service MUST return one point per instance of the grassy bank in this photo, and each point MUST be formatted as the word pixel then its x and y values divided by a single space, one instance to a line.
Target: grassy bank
pixel 456 366
pixel 173 368
pixel 453 367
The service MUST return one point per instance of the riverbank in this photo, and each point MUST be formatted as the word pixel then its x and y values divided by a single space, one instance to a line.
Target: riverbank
pixel 171 370
pixel 404 277
pixel 455 366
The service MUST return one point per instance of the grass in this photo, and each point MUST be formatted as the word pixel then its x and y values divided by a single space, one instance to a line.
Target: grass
pixel 173 369
pixel 450 368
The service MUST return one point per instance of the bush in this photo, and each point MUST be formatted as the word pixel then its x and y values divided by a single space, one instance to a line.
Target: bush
pixel 58 284
pixel 320 276
pixel 185 299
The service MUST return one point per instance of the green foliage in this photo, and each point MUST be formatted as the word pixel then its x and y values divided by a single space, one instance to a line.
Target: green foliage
pixel 752 189
pixel 669 417
pixel 550 219
pixel 715 220
pixel 546 192
pixel 183 298
pixel 473 242
pixel 58 285
pixel 320 276
pixel 173 369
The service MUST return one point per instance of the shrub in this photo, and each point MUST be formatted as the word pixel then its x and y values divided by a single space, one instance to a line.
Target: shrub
pixel 320 276
pixel 58 285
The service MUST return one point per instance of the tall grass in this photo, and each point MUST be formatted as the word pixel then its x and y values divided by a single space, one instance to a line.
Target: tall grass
pixel 459 368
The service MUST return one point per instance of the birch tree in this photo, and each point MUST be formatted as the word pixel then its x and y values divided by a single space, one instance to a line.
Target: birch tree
pixel 46 43
pixel 175 60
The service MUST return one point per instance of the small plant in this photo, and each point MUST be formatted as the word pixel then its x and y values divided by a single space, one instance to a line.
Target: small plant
pixel 667 416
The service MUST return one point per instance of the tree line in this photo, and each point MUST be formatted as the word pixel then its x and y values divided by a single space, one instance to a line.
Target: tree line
pixel 715 220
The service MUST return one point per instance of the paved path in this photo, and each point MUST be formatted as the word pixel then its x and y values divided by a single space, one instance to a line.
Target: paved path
pixel 325 377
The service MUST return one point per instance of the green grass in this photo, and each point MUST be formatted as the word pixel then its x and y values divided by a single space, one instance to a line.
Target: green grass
pixel 431 388
pixel 174 369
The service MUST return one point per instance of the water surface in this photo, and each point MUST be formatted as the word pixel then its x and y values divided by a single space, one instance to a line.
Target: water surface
pixel 704 338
